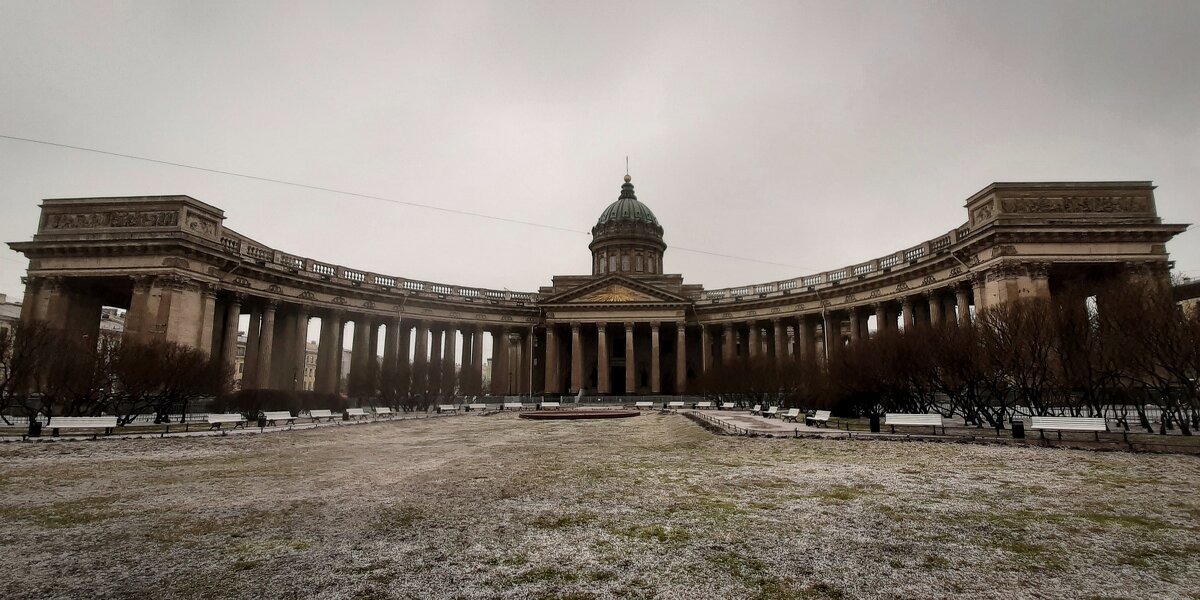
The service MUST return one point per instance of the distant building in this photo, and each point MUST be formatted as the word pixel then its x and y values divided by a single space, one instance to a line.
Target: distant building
pixel 1187 294
pixel 9 313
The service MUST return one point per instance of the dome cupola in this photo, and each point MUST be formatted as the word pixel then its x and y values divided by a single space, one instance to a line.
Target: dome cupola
pixel 627 238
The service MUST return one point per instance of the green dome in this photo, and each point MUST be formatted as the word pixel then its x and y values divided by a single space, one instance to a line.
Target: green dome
pixel 627 208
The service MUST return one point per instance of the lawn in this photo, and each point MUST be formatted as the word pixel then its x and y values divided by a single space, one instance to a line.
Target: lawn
pixel 651 507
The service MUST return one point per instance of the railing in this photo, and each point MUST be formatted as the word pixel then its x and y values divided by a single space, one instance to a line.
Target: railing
pixel 865 269
pixel 238 244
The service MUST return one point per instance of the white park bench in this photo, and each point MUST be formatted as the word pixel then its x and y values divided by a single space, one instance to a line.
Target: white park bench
pixel 818 419
pixel 447 408
pixel 218 420
pixel 320 413
pixel 512 406
pixel 676 404
pixel 771 412
pixel 384 411
pixel 477 406
pixel 728 406
pixel 757 410
pixel 272 416
pixel 1061 424
pixel 643 404
pixel 912 420
pixel 705 404
pixel 549 405
pixel 357 413
pixel 791 415
pixel 105 423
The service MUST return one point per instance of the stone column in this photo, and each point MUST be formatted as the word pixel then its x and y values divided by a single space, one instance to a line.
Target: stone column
pixel 655 360
pixel 420 372
pixel 233 313
pixel 208 318
pixel 962 295
pixel 551 360
pixel 680 357
pixel 404 341
pixel 754 343
pixel 630 361
pixel 780 341
pixel 435 359
pixel 464 372
pixel 978 291
pixel 266 345
pixel 804 338
pixel 576 358
pixel 250 357
pixel 476 360
pixel 855 334
pixel 728 345
pixel 935 307
pixel 910 317
pixel 705 348
pixel 500 362
pixel 391 340
pixel 358 357
pixel 881 324
pixel 602 384
pixel 449 360
pixel 301 350
pixel 328 349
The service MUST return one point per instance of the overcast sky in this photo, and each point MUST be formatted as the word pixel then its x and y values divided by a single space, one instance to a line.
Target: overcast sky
pixel 814 135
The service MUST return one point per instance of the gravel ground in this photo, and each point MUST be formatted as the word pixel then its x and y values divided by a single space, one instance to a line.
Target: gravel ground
pixel 649 507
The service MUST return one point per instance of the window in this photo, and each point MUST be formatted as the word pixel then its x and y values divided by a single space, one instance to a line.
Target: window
pixel 651 259
pixel 612 264
pixel 625 263
pixel 600 264
pixel 638 263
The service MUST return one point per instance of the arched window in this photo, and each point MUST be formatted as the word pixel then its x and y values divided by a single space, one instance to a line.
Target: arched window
pixel 638 263
pixel 612 264
pixel 625 263
pixel 651 259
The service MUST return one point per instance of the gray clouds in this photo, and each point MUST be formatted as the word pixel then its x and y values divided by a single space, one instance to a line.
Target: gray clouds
pixel 812 134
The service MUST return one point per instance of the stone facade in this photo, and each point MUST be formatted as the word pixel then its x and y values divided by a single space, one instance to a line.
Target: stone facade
pixel 627 328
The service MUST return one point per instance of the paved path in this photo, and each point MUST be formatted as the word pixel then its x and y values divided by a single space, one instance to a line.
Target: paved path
pixel 745 420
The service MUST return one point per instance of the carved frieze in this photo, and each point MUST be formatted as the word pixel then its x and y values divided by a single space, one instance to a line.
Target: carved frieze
pixel 929 280
pixel 201 226
pixel 275 289
pixel 339 300
pixel 307 296
pixel 116 218
pixel 242 282
pixel 1078 204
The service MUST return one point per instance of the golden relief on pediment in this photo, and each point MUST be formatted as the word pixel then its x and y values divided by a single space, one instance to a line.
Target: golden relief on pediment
pixel 616 293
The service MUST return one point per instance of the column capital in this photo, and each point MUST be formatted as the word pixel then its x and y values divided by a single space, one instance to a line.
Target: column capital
pixel 270 304
pixel 629 325
pixel 681 324
pixel 654 325
pixel 575 325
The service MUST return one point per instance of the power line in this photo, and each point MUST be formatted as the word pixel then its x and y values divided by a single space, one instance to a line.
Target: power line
pixel 318 188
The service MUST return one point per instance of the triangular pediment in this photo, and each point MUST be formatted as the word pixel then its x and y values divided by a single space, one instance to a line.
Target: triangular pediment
pixel 616 289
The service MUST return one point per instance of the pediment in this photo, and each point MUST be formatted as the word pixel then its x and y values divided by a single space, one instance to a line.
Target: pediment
pixel 616 289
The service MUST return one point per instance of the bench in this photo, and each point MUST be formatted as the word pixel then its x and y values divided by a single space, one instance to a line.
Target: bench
pixel 320 413
pixel 105 423
pixel 447 408
pixel 818 419
pixel 791 415
pixel 477 406
pixel 911 420
pixel 218 420
pixel 1061 424
pixel 757 410
pixel 278 415
pixel 676 404
pixel 728 406
pixel 512 406
pixel 549 405
pixel 357 413
pixel 641 405
pixel 771 412
pixel 383 411
pixel 700 405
